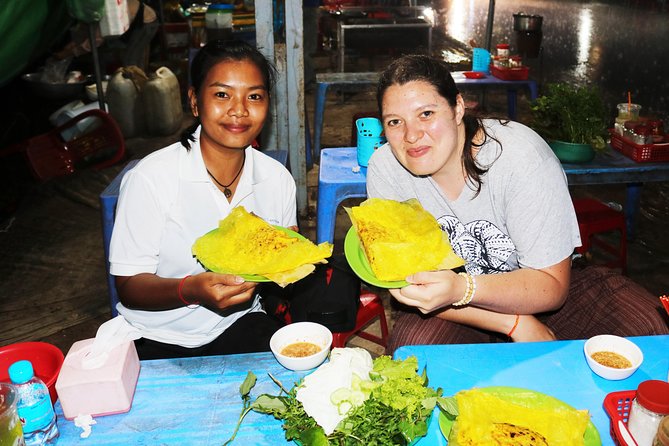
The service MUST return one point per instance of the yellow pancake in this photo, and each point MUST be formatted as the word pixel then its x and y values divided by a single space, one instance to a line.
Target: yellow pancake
pixel 486 419
pixel 401 238
pixel 247 245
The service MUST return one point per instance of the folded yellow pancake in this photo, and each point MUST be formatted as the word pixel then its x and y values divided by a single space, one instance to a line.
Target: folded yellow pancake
pixel 489 419
pixel 246 244
pixel 401 238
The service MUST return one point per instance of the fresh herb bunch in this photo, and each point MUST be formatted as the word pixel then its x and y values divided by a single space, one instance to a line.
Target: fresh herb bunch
pixel 572 114
pixel 396 412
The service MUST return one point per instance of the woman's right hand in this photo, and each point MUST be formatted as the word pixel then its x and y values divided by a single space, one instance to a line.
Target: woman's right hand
pixel 217 291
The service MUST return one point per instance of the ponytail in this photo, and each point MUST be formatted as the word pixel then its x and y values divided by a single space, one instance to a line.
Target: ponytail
pixel 187 136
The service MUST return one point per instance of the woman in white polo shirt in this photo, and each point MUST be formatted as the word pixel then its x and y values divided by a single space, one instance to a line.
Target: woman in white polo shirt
pixel 179 193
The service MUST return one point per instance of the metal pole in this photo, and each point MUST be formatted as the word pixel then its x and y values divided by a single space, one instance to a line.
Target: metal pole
pixel 96 65
pixel 488 28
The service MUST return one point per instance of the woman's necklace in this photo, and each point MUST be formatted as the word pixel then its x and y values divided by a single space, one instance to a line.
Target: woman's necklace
pixel 226 191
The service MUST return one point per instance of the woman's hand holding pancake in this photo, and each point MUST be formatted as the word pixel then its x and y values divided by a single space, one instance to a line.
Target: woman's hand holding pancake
pixel 218 291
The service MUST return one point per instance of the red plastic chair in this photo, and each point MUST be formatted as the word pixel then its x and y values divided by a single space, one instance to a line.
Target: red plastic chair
pixel 97 142
pixel 596 218
pixel 369 310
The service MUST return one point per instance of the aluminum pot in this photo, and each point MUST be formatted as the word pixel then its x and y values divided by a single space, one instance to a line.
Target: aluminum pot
pixel 527 22
pixel 74 90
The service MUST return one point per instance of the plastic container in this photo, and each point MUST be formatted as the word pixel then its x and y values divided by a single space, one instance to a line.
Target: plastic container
pixel 649 406
pixel 511 74
pixel 124 100
pixel 47 360
pixel 629 112
pixel 115 19
pixel 657 129
pixel 11 432
pixel 161 100
pixel 662 435
pixel 370 137
pixel 218 21
pixel 641 153
pixel 197 24
pixel 503 50
pixel 481 60
pixel 617 406
pixel 34 405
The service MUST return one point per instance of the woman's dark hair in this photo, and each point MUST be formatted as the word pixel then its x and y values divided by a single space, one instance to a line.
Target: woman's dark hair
pixel 217 51
pixel 436 72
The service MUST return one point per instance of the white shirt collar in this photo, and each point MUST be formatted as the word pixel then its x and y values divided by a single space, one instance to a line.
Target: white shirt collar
pixel 193 167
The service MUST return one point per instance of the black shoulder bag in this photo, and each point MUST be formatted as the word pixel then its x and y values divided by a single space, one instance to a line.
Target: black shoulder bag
pixel 329 296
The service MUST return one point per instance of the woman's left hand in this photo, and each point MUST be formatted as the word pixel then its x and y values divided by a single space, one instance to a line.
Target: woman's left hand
pixel 219 291
pixel 430 291
pixel 530 329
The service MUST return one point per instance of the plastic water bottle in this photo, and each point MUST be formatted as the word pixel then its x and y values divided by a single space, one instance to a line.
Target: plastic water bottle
pixel 34 405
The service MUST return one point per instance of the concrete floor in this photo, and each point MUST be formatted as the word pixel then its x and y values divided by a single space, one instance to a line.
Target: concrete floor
pixel 52 274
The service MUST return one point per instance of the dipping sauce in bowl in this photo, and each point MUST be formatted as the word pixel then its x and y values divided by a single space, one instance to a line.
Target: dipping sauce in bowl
pixel 613 360
pixel 300 349
pixel 301 345
pixel 612 357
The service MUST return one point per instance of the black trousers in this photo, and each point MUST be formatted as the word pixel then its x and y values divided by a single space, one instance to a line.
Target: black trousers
pixel 250 333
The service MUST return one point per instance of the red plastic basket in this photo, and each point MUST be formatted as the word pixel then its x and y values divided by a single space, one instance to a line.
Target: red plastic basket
pixel 510 74
pixel 617 405
pixel 641 153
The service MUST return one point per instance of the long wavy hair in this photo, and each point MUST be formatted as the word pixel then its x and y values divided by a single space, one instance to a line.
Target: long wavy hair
pixel 217 51
pixel 436 72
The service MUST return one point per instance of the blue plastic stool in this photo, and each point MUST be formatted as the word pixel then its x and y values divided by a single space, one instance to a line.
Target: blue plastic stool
pixel 339 178
pixel 108 200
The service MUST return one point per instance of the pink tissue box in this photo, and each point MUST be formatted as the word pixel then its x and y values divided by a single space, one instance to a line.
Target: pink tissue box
pixel 104 390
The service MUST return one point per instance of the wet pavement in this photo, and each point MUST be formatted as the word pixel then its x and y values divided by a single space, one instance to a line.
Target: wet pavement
pixel 618 45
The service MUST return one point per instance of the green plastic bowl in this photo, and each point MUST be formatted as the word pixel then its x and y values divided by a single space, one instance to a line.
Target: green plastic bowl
pixel 568 152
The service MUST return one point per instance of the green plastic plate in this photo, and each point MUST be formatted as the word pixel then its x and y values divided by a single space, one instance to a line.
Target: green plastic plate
pixel 359 264
pixel 536 399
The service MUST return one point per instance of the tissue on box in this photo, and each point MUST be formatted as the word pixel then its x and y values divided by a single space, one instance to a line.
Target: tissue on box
pixel 104 390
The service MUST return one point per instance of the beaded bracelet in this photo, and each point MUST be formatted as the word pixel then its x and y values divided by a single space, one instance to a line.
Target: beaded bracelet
pixel 470 291
pixel 181 296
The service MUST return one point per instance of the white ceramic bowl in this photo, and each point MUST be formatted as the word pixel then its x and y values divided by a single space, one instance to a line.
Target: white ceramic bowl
pixel 615 344
pixel 301 332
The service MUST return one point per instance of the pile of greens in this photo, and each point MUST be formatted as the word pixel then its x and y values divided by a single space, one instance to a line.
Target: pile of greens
pixel 575 114
pixel 393 407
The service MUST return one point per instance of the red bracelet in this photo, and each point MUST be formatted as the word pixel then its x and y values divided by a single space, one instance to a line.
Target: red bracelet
pixel 181 297
pixel 515 324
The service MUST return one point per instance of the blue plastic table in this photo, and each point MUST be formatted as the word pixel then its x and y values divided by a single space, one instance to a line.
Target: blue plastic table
pixel 196 400
pixel 361 81
pixel 554 368
pixel 340 177
pixel 190 401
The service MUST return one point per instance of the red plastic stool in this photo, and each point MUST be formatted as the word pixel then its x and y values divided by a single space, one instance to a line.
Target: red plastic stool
pixel 370 308
pixel 595 217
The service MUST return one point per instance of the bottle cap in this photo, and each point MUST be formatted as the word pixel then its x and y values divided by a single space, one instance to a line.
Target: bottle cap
pixel 503 46
pixel 21 371
pixel 654 396
pixel 220 7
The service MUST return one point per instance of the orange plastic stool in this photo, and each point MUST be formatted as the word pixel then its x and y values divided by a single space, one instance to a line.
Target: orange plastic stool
pixel 595 217
pixel 370 308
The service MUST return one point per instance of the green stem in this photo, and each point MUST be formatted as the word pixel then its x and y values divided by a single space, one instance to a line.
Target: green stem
pixel 239 423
